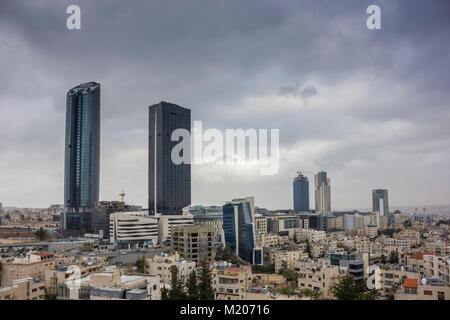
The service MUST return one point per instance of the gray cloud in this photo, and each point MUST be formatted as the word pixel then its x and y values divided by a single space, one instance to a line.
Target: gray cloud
pixel 376 115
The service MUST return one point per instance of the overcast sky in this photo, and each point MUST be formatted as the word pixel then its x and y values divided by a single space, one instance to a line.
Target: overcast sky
pixel 370 107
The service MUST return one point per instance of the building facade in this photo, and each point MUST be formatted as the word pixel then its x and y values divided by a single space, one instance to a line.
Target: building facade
pixel 169 184
pixel 323 192
pixel 301 193
pixel 82 156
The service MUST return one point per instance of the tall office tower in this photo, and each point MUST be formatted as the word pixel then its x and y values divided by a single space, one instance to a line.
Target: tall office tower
pixel 301 193
pixel 238 227
pixel 169 184
pixel 323 196
pixel 380 203
pixel 82 156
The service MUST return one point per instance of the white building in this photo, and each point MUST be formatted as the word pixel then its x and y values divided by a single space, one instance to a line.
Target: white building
pixel 133 226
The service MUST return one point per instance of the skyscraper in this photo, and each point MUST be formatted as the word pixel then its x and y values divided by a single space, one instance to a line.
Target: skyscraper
pixel 82 155
pixel 380 203
pixel 323 197
pixel 238 227
pixel 169 184
pixel 301 193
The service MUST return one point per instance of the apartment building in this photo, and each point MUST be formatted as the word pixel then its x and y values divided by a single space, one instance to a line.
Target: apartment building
pixel 287 259
pixel 23 289
pixel 195 243
pixel 437 267
pixel 423 289
pixel 231 283
pixel 416 262
pixel 111 285
pixel 73 268
pixel 32 265
pixel 311 235
pixel 392 276
pixel 160 265
pixel 316 275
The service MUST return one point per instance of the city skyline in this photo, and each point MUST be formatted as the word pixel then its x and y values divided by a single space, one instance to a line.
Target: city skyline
pixel 369 108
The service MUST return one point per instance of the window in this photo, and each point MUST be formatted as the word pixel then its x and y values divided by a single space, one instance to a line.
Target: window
pixel 428 292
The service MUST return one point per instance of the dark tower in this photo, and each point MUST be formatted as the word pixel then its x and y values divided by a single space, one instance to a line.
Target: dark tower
pixel 169 184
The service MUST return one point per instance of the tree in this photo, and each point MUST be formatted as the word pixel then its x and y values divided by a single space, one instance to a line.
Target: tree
pixel 347 289
pixel 206 291
pixel 383 259
pixel 42 234
pixel 50 296
pixel 308 249
pixel 393 257
pixel 270 268
pixel 140 265
pixel 176 291
pixel 164 294
pixel 192 287
pixel 313 294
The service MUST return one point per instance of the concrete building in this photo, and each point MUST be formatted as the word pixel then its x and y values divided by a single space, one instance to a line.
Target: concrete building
pixel 287 259
pixel 133 227
pixel 194 242
pixel 231 283
pixel 32 265
pixel 316 275
pixel 23 289
pixel 160 265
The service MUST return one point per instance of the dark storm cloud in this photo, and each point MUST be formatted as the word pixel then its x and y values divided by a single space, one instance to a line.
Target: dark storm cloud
pixel 352 101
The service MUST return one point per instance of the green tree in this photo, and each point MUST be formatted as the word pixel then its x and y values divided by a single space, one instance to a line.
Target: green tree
pixel 42 234
pixel 164 294
pixel 176 291
pixel 206 291
pixel 393 257
pixel 313 294
pixel 383 259
pixel 270 268
pixel 140 264
pixel 50 296
pixel 308 249
pixel 192 286
pixel 347 289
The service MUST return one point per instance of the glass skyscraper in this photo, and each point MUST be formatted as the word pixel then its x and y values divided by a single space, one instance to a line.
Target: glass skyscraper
pixel 169 184
pixel 238 228
pixel 323 193
pixel 380 203
pixel 301 193
pixel 82 155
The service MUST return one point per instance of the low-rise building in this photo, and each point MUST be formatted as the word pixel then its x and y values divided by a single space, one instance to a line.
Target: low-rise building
pixel 23 289
pixel 160 265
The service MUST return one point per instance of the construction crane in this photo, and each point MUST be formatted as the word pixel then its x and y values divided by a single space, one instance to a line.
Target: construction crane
pixel 122 195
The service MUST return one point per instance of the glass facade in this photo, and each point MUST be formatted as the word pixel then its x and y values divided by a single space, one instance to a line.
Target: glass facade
pixel 238 229
pixel 301 193
pixel 169 184
pixel 82 155
pixel 380 202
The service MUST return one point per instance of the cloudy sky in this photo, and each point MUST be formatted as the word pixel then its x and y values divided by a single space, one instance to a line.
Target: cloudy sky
pixel 370 107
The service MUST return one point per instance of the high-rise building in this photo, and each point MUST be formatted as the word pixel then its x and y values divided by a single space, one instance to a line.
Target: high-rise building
pixel 169 184
pixel 323 194
pixel 82 156
pixel 301 193
pixel 239 227
pixel 380 203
